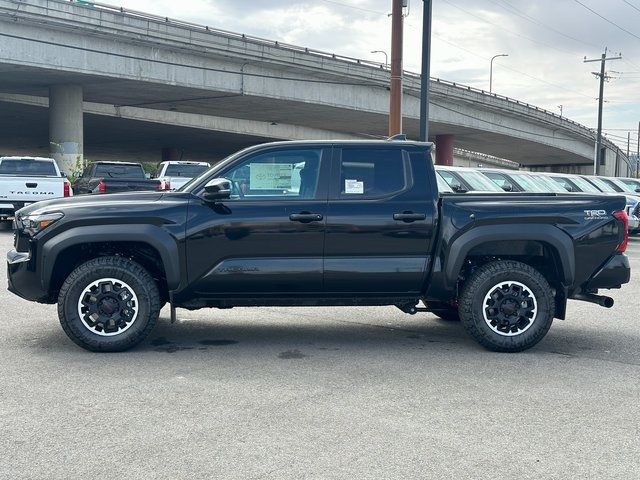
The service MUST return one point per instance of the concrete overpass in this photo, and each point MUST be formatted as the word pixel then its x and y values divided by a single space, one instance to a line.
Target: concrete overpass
pixel 123 83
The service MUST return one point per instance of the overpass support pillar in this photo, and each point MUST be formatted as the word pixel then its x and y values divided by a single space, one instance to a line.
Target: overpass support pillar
pixel 66 127
pixel 444 149
pixel 171 154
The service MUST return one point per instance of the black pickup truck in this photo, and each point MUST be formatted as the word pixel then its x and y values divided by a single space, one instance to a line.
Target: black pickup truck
pixel 114 177
pixel 320 223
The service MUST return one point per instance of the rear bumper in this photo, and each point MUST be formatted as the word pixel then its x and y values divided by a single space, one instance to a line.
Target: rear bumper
pixel 613 274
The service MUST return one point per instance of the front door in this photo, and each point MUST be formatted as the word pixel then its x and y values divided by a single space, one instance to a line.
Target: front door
pixel 267 239
pixel 380 221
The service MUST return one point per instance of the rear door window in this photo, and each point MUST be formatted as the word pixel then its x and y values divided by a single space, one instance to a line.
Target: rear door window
pixel 367 173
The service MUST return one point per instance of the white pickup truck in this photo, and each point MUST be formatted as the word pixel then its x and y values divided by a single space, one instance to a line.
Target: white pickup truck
pixel 25 180
pixel 174 174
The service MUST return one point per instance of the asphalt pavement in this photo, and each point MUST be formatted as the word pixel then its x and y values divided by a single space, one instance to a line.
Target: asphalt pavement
pixel 297 393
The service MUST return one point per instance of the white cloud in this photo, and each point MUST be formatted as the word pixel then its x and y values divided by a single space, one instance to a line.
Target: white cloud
pixel 546 41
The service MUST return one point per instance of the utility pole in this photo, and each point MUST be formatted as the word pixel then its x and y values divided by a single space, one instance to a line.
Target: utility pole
pixel 426 71
pixel 560 107
pixel 603 76
pixel 638 154
pixel 395 97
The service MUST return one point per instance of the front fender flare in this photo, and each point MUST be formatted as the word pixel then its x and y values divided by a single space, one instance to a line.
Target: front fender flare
pixel 152 235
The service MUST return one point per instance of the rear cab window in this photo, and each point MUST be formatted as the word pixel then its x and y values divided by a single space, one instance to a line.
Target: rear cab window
pixel 184 170
pixel 27 167
pixel 107 170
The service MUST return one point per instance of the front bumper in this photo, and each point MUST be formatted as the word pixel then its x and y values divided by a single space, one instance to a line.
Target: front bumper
pixel 22 277
pixel 615 272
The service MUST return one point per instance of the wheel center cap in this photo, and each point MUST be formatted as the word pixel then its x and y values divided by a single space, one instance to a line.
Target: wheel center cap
pixel 108 306
pixel 509 307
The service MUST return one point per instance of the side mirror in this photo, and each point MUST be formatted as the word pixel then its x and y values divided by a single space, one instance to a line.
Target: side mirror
pixel 507 187
pixel 456 187
pixel 217 189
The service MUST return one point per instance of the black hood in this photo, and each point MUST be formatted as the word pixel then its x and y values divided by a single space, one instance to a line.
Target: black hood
pixel 115 201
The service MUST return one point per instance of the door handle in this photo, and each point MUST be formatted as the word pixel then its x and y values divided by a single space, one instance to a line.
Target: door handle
pixel 31 185
pixel 409 217
pixel 305 217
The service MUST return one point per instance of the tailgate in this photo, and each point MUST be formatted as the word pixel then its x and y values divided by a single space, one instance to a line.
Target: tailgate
pixel 30 189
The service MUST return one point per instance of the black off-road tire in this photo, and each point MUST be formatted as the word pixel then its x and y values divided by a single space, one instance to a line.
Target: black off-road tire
pixel 118 268
pixel 482 282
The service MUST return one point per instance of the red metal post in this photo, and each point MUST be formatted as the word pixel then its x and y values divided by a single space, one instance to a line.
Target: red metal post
pixel 395 97
pixel 444 149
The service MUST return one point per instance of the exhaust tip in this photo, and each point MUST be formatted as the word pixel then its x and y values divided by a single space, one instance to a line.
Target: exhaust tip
pixel 607 302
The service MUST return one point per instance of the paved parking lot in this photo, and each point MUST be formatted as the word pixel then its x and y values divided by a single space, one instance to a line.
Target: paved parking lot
pixel 321 393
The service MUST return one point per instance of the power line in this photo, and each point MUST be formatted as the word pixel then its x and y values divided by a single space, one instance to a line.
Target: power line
pixel 517 71
pixel 607 20
pixel 631 5
pixel 177 64
pixel 566 52
pixel 509 7
pixel 346 5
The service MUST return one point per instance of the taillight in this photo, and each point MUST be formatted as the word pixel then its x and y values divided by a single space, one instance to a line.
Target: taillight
pixel 164 185
pixel 102 187
pixel 66 189
pixel 624 218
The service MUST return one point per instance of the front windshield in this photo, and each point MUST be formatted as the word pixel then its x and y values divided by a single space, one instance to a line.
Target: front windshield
pixel 443 186
pixel 622 185
pixel 633 184
pixel 528 183
pixel 478 182
pixel 583 185
pixel 548 184
pixel 602 185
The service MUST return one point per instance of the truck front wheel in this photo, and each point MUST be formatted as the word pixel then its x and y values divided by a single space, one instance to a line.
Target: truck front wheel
pixel 507 306
pixel 108 304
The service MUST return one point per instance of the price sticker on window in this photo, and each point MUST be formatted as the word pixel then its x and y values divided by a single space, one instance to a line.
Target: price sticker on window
pixel 353 186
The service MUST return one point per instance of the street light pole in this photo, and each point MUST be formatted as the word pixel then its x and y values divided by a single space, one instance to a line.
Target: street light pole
pixel 425 73
pixel 491 69
pixel 386 57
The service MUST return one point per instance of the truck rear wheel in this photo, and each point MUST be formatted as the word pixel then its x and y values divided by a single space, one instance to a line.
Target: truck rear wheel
pixel 507 306
pixel 108 304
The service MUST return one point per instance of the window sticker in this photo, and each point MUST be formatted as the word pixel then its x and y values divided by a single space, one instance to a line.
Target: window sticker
pixel 270 176
pixel 353 186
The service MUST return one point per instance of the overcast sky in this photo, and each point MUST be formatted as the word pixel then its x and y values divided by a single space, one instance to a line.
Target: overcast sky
pixel 546 41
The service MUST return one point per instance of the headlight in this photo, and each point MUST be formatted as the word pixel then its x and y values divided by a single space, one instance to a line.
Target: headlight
pixel 34 224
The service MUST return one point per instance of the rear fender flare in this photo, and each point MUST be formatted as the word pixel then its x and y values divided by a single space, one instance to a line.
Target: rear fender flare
pixel 548 234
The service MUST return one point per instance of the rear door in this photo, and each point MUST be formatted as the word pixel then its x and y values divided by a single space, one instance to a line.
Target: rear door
pixel 380 220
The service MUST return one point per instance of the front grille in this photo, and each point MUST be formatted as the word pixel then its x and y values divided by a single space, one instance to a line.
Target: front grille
pixel 636 212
